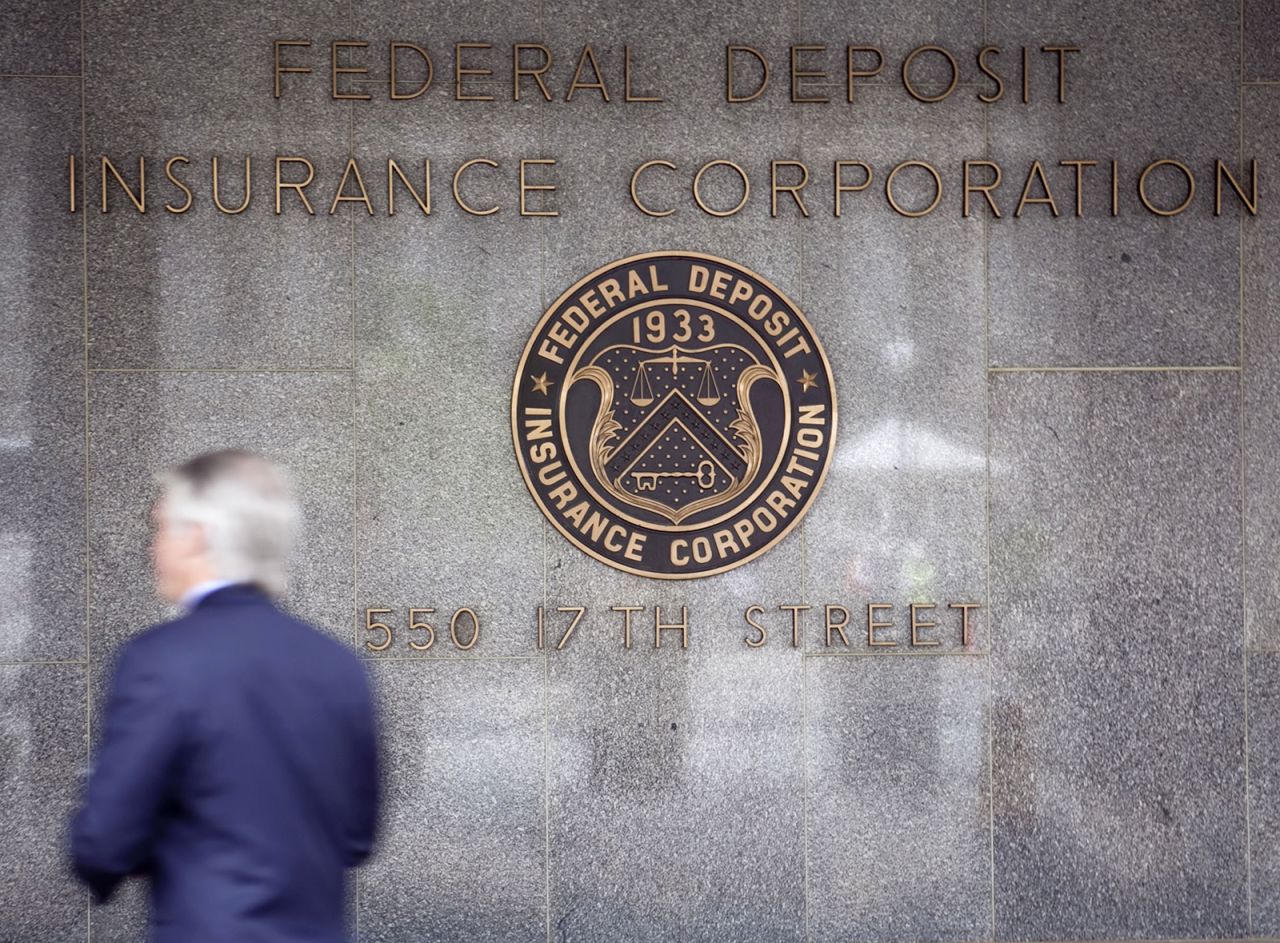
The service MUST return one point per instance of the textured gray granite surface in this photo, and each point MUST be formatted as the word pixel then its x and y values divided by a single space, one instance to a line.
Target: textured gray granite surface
pixel 42 408
pixel 899 305
pixel 678 56
pixel 40 38
pixel 462 854
pixel 676 783
pixel 143 422
pixel 665 764
pixel 1264 791
pixel 1261 41
pixel 443 517
pixel 1152 82
pixel 1261 342
pixel 200 288
pixel 42 754
pixel 1082 772
pixel 899 798
pixel 1118 701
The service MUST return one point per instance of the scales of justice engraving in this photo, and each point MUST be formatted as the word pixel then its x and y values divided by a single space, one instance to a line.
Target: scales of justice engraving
pixel 675 432
pixel 673 415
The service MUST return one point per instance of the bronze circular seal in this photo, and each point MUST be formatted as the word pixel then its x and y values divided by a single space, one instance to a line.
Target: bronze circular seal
pixel 673 415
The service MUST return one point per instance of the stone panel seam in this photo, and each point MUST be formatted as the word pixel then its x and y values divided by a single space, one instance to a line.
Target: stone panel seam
pixel 804 574
pixel 340 370
pixel 84 272
pixel 950 653
pixel 1244 499
pixel 1186 368
pixel 546 577
pixel 355 437
pixel 986 395
pixel 804 759
pixel 1105 939
pixel 546 790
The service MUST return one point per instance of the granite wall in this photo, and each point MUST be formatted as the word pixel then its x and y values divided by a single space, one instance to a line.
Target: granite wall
pixel 1070 421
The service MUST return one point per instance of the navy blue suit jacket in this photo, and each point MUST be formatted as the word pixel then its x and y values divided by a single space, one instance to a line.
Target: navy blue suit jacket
pixel 238 769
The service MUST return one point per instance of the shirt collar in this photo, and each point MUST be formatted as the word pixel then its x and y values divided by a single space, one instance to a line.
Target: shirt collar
pixel 192 597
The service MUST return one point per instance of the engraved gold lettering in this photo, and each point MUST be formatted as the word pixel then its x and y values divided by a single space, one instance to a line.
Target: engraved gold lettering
pixel 168 172
pixel 730 94
pixel 659 626
pixel 393 56
pixel 336 70
pixel 139 199
pixel 762 634
pixel 917 624
pixel 280 70
pixel 874 624
pixel 248 189
pixel 626 621
pixel 298 186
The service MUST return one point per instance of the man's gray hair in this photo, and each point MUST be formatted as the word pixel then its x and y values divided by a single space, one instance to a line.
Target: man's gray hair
pixel 246 506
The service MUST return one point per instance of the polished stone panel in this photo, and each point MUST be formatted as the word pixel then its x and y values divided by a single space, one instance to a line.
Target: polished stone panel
pixel 1119 704
pixel 898 303
pixel 42 522
pixel 715 792
pixel 678 51
pixel 445 520
pixel 1151 82
pixel 896 27
pixel 143 422
pixel 667 763
pixel 899 817
pixel 1261 385
pixel 41 263
pixel 204 289
pixel 1261 41
pixel 676 788
pixel 462 851
pixel 678 54
pixel 41 377
pixel 436 26
pixel 40 37
pixel 1264 792
pixel 42 754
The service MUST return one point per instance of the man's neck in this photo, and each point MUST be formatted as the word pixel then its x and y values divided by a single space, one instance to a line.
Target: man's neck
pixel 191 598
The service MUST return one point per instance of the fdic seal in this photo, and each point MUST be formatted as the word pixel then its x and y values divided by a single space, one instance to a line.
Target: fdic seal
pixel 673 415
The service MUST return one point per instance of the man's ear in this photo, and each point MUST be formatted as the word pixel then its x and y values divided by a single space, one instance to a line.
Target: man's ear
pixel 196 543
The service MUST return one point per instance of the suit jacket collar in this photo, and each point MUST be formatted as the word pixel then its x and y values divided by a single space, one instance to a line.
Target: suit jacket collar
pixel 235 593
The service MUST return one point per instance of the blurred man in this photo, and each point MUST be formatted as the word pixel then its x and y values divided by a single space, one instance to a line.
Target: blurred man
pixel 238 764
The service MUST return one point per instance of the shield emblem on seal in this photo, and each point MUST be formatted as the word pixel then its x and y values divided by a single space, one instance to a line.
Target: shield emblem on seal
pixel 675 433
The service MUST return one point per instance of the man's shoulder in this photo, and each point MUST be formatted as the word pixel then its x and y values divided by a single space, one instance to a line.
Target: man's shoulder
pixel 166 644
pixel 159 637
pixel 207 630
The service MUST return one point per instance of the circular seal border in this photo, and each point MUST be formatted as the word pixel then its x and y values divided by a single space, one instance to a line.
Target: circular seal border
pixel 550 312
